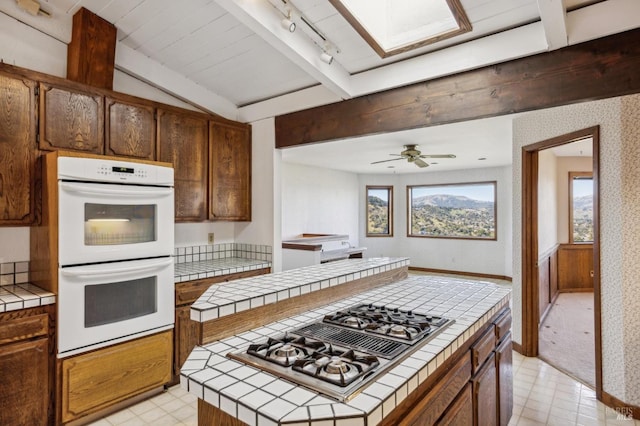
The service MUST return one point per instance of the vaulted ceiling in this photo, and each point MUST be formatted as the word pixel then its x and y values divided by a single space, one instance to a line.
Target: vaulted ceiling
pixel 234 58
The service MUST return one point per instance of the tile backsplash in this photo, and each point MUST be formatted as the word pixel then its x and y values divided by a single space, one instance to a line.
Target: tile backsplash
pixel 222 251
pixel 14 273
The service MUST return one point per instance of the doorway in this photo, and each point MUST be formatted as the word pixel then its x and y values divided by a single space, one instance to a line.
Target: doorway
pixel 532 308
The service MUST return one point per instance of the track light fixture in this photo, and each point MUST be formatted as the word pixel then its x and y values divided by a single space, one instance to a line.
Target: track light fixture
pixel 326 58
pixel 287 23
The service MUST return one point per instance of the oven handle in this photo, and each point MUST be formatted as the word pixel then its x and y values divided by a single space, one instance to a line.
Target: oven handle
pixel 78 272
pixel 95 189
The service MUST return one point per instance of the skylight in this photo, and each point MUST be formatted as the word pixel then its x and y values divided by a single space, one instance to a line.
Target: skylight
pixel 391 26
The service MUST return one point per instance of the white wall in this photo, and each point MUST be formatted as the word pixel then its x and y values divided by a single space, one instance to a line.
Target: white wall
pixel 547 201
pixel 25 47
pixel 319 201
pixel 476 256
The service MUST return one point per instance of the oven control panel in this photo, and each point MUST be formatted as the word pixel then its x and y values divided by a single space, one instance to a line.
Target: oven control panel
pixel 113 171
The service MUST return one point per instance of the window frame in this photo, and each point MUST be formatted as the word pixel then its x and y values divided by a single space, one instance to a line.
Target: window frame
pixel 454 237
pixel 458 12
pixel 389 189
pixel 572 176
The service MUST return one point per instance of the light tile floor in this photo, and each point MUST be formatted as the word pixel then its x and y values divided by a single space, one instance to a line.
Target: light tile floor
pixel 542 396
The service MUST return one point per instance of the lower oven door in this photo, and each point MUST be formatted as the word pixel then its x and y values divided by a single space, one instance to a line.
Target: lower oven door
pixel 107 303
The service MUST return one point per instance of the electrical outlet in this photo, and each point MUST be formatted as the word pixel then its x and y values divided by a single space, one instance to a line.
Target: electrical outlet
pixel 210 237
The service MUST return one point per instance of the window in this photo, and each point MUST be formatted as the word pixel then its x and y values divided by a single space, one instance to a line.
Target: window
pixel 581 207
pixel 379 211
pixel 391 27
pixel 465 210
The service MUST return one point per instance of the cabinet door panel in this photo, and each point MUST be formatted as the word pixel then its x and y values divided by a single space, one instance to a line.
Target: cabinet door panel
pixel 484 393
pixel 24 394
pixel 99 379
pixel 71 120
pixel 186 337
pixel 230 184
pixel 18 151
pixel 130 130
pixel 504 361
pixel 460 413
pixel 183 141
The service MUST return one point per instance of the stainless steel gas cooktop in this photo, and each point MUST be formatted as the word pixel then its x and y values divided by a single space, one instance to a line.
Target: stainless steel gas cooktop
pixel 339 355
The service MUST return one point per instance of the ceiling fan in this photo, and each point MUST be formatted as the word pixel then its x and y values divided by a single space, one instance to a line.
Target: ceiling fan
pixel 412 155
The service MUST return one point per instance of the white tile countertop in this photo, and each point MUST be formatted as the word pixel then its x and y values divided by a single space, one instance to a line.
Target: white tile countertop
pixel 189 271
pixel 247 293
pixel 258 398
pixel 23 296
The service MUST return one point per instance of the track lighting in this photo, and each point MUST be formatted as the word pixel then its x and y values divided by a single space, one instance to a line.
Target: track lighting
pixel 326 58
pixel 287 23
pixel 32 7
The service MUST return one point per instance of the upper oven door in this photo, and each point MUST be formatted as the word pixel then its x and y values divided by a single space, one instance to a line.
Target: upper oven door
pixel 104 222
pixel 106 303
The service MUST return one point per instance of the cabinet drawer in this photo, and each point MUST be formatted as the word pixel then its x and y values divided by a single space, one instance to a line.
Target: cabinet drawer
pixel 503 325
pixel 482 348
pixel 24 328
pixel 99 379
pixel 189 291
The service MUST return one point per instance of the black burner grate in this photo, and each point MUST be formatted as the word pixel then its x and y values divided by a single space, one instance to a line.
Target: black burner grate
pixel 373 345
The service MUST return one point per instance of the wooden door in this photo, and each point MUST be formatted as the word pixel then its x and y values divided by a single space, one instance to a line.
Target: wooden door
pixel 71 120
pixel 183 141
pixel 230 176
pixel 18 151
pixel 130 130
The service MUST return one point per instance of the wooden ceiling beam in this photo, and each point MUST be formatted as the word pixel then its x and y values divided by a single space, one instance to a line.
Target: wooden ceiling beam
pixel 597 69
pixel 92 51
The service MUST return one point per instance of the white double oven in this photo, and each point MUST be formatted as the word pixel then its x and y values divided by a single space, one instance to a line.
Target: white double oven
pixel 115 246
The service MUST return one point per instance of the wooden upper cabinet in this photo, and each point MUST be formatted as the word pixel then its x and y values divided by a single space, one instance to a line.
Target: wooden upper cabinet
pixel 230 176
pixel 130 130
pixel 183 141
pixel 18 151
pixel 71 120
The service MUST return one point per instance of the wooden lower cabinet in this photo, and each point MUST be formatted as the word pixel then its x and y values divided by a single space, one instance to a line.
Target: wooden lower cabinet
pixel 25 367
pixel 187 331
pixel 504 366
pixel 99 379
pixel 485 394
pixel 460 413
pixel 473 387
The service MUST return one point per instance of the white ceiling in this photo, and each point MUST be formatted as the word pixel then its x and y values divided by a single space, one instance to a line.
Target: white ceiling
pixel 233 57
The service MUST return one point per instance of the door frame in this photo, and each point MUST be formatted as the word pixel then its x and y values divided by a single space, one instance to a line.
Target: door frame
pixel 530 243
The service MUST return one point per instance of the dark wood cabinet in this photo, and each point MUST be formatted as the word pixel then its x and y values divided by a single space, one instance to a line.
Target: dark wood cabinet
pixel 130 129
pixel 25 365
pixel 186 331
pixel 71 119
pixel 504 366
pixel 18 151
pixel 230 171
pixel 485 399
pixel 473 387
pixel 460 413
pixel 183 141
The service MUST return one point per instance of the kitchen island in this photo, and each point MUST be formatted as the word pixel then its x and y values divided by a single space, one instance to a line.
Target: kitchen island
pixel 442 371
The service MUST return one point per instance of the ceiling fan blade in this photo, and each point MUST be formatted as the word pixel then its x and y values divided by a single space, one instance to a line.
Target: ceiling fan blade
pixel 418 162
pixel 438 156
pixel 384 161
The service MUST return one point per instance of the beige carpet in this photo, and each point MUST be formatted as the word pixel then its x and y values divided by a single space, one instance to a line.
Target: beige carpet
pixel 566 338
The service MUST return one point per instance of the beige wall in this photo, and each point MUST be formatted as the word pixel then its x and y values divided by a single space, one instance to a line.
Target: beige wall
pixel 619 122
pixel 547 201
